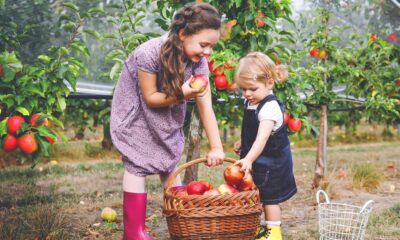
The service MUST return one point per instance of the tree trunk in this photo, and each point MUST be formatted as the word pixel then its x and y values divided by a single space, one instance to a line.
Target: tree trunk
pixel 321 160
pixel 193 152
pixel 106 143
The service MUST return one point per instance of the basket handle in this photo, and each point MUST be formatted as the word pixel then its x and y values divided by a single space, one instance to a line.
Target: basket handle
pixel 325 195
pixel 171 178
pixel 367 205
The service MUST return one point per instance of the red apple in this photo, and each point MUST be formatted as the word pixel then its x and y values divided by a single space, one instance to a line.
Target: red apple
pixel 221 82
pixel 372 37
pixel 195 188
pixel 233 175
pixel 206 184
pixel 392 37
pixel 10 143
pixel 32 119
pixel 27 143
pixel 1 70
pixel 398 82
pixel 314 52
pixel 322 54
pixel 232 87
pixel 218 71
pixel 294 124
pixel 211 65
pixel 199 82
pixel 227 189
pixel 212 192
pixel 49 139
pixel 259 22
pixel 246 184
pixel 228 64
pixel 286 117
pixel 14 122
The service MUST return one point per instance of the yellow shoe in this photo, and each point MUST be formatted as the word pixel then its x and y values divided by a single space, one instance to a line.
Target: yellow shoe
pixel 269 233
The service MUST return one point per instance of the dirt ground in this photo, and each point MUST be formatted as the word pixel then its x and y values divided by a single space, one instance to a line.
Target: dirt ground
pixel 79 190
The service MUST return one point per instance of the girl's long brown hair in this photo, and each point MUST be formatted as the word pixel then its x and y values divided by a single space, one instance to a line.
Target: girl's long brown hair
pixel 192 18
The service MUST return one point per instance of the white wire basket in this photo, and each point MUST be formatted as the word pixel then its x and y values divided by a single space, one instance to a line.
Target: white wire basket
pixel 338 221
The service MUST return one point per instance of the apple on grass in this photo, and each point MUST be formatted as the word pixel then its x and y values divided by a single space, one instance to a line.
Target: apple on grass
pixel 199 82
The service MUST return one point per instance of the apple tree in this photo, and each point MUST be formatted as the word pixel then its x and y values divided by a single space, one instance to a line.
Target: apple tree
pixel 40 89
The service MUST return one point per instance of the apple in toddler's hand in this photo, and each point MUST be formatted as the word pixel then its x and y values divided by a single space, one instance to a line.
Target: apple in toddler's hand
pixel 199 82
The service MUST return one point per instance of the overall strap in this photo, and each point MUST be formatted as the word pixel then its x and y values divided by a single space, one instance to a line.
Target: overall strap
pixel 268 98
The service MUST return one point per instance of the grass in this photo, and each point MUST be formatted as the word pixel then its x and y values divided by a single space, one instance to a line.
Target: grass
pixel 64 201
pixel 385 222
pixel 366 175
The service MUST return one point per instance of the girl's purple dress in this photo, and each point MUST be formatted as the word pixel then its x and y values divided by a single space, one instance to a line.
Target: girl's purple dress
pixel 150 139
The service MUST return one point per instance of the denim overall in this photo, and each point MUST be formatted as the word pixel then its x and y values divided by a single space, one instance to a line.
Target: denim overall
pixel 273 169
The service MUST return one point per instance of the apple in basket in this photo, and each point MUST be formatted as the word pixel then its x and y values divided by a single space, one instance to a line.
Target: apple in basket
pixel 206 184
pixel 233 175
pixel 195 188
pixel 212 192
pixel 227 189
pixel 246 183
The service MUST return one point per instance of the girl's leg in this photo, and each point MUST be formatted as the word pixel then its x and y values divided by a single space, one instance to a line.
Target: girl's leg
pixel 135 200
pixel 164 180
pixel 272 224
pixel 272 212
pixel 132 183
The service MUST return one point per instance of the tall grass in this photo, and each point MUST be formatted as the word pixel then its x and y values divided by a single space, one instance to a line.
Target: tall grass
pixel 366 175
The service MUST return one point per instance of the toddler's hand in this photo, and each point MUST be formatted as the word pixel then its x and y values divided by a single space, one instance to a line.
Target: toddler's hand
pixel 246 164
pixel 237 146
pixel 189 92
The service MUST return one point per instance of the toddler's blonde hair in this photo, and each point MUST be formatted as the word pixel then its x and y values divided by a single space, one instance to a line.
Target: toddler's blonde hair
pixel 256 66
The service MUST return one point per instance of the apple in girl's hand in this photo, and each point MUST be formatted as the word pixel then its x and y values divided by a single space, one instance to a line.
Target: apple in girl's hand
pixel 233 175
pixel 199 82
pixel 195 188
pixel 227 189
pixel 206 184
pixel 294 124
pixel 246 184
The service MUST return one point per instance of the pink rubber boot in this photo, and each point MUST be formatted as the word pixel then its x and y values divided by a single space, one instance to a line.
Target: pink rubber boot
pixel 134 216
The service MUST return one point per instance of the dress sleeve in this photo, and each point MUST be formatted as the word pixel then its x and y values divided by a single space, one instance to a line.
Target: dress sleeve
pixel 148 57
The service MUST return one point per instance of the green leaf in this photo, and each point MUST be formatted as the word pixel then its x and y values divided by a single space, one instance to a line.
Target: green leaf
pixel 57 122
pixel 22 110
pixel 115 70
pixel 43 131
pixel 44 58
pixel 93 33
pixel 71 6
pixel 61 103
pixel 8 74
pixel 3 128
pixel 44 145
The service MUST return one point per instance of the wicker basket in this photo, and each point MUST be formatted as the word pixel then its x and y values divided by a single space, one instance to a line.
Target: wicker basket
pixel 229 216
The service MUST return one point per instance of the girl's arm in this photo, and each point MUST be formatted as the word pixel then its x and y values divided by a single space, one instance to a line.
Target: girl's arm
pixel 151 95
pixel 207 116
pixel 263 133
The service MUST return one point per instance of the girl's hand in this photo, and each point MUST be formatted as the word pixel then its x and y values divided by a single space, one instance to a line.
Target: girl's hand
pixel 215 157
pixel 189 92
pixel 247 166
pixel 237 146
